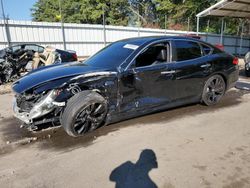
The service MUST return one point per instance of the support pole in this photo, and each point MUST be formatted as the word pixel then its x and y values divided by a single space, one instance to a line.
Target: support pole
pixel 241 38
pixel 165 24
pixel 188 24
pixel 104 26
pixel 5 25
pixel 138 20
pixel 198 25
pixel 208 25
pixel 222 31
pixel 62 25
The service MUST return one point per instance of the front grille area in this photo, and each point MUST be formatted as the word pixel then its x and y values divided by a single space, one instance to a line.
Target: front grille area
pixel 25 103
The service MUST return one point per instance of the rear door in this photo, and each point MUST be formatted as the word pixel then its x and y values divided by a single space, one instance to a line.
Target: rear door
pixel 191 68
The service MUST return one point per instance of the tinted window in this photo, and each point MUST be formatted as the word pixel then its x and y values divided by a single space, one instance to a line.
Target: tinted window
pixel 15 48
pixel 217 51
pixel 31 47
pixel 206 49
pixel 186 50
pixel 40 49
pixel 155 54
pixel 112 56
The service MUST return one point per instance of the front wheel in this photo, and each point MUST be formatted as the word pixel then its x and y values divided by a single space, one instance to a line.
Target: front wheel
pixel 84 112
pixel 213 91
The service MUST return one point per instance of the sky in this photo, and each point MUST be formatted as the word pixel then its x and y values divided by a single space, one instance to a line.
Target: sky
pixel 17 9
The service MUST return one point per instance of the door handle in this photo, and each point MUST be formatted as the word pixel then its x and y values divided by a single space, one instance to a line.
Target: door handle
pixel 206 65
pixel 168 72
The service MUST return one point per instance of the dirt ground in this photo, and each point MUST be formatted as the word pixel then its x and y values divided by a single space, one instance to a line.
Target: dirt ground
pixel 192 146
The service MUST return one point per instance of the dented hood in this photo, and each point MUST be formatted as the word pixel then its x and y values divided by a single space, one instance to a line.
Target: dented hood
pixel 51 73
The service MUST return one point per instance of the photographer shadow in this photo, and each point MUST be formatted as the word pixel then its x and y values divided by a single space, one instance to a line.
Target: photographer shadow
pixel 136 175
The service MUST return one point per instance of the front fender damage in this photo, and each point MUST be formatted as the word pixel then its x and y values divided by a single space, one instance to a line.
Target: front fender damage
pixel 50 103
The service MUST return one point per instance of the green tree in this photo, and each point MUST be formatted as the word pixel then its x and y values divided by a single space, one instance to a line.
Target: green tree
pixel 126 12
pixel 146 9
pixel 178 12
pixel 82 11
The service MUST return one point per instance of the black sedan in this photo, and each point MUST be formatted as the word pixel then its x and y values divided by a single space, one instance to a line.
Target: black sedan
pixel 128 78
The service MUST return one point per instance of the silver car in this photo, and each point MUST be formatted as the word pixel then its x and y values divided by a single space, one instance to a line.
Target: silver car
pixel 247 64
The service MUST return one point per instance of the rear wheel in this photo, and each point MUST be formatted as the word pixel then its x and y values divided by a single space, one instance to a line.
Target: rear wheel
pixel 214 89
pixel 84 112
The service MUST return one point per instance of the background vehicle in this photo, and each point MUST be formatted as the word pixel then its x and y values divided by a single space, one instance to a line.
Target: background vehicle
pixel 126 79
pixel 19 58
pixel 247 64
pixel 13 61
pixel 51 56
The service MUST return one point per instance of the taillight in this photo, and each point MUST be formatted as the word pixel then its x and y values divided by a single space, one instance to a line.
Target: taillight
pixel 236 61
pixel 75 56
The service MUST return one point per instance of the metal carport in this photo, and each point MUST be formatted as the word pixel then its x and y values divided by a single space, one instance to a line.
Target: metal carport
pixel 227 8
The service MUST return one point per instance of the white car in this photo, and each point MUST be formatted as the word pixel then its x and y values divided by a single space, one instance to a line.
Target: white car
pixel 247 64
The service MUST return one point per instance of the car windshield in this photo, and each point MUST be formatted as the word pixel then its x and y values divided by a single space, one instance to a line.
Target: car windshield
pixel 113 55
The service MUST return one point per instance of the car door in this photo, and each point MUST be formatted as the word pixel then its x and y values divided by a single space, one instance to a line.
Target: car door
pixel 149 80
pixel 192 67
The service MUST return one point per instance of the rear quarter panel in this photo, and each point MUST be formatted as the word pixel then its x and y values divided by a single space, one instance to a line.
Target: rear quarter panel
pixel 223 64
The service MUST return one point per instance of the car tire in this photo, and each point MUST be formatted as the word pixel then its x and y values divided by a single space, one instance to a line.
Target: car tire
pixel 84 112
pixel 214 89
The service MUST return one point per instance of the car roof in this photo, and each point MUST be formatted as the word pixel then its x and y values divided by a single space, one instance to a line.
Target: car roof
pixel 156 38
pixel 25 44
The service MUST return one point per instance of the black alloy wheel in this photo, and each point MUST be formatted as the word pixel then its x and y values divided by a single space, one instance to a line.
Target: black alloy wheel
pixel 84 112
pixel 89 118
pixel 214 89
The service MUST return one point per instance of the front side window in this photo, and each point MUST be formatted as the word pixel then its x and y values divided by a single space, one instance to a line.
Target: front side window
pixel 15 48
pixel 154 54
pixel 187 50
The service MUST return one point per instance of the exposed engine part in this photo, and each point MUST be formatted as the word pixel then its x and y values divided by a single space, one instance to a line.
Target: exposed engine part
pixel 11 66
pixel 29 110
pixel 74 88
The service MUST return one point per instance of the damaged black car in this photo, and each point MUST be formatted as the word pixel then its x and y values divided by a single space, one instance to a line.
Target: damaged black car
pixel 128 78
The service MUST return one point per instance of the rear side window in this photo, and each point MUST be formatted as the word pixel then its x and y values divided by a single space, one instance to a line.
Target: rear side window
pixel 206 49
pixel 187 50
pixel 217 51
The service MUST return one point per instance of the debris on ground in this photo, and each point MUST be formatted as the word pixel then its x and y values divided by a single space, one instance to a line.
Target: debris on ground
pixel 6 88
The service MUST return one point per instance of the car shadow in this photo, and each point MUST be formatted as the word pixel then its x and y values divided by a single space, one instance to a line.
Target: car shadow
pixel 57 139
pixel 136 175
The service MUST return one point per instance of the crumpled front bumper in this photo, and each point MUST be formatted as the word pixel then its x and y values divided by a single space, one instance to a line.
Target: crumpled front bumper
pixel 23 116
pixel 39 109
